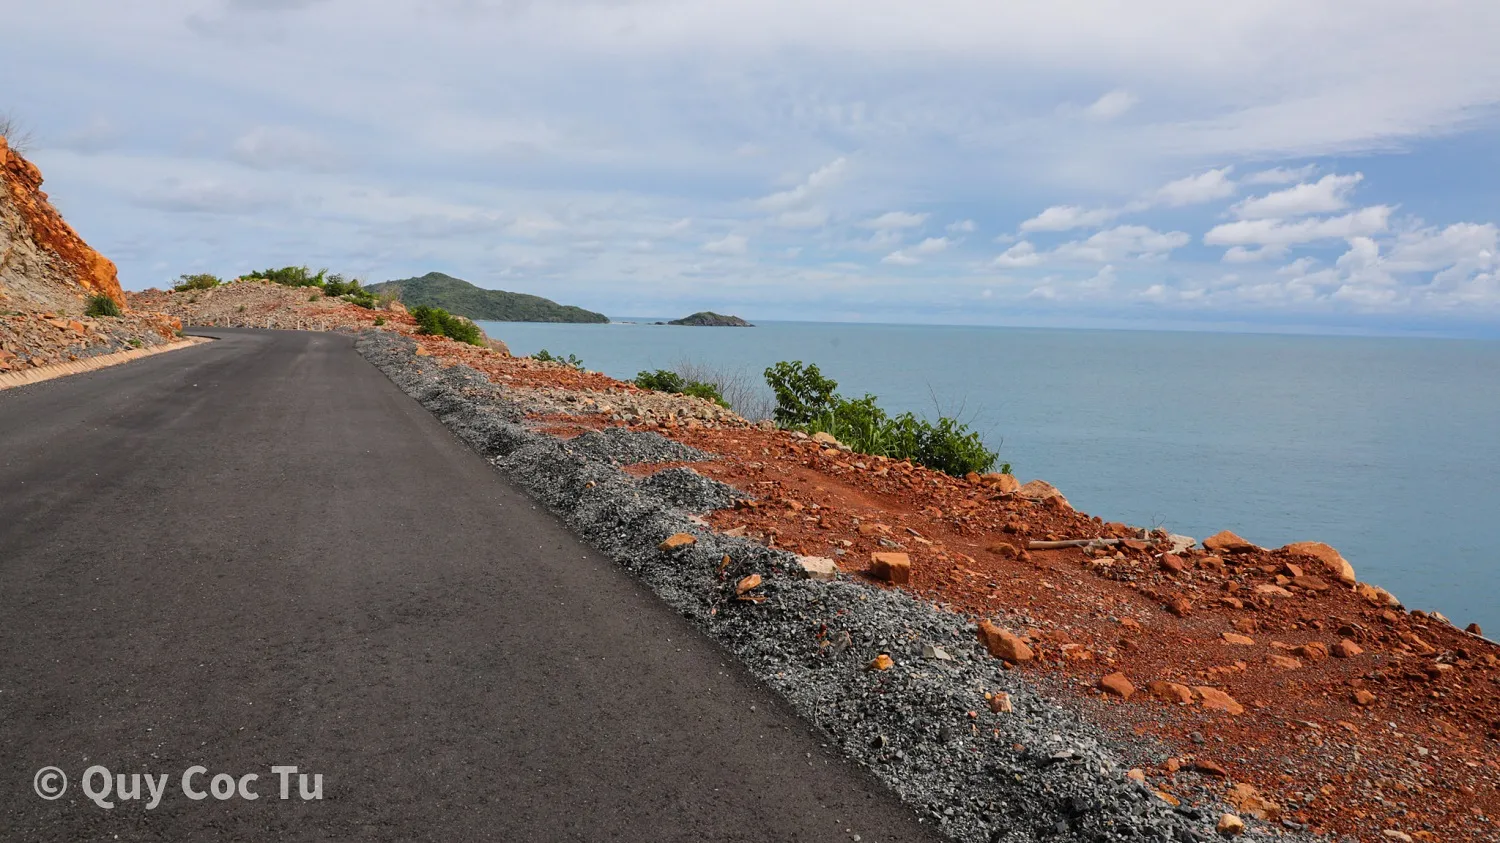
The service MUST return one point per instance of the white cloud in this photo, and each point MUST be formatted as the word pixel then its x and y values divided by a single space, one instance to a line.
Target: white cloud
pixel 933 245
pixel 1067 217
pixel 818 181
pixel 1240 254
pixel 962 227
pixel 1281 175
pixel 1122 242
pixel 900 258
pixel 1323 196
pixel 1111 105
pixel 732 244
pixel 1428 250
pixel 896 219
pixel 1195 190
pixel 1364 222
pixel 1018 256
pixel 283 147
pixel 815 217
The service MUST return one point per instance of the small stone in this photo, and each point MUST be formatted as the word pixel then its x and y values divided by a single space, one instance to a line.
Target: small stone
pixel 1003 644
pixel 676 541
pixel 1210 768
pixel 1170 692
pixel 1313 651
pixel 1233 638
pixel 1393 834
pixel 1116 683
pixel 1227 542
pixel 1272 590
pixel 881 662
pixel 1247 625
pixel 1283 662
pixel 894 568
pixel 1310 583
pixel 1364 698
pixel 745 584
pixel 933 651
pixel 1004 550
pixel 1172 562
pixel 1377 596
pixel 1136 774
pixel 818 568
pixel 1473 629
pixel 1180 606
pixel 870 529
pixel 1230 825
pixel 1216 700
pixel 1000 703
pixel 1347 649
pixel 1005 484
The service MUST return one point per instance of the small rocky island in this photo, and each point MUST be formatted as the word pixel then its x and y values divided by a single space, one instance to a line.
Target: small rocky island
pixel 709 319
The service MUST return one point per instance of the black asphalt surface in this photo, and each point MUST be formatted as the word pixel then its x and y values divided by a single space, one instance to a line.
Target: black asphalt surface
pixel 258 552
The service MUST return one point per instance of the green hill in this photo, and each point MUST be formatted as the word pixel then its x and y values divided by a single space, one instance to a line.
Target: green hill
pixel 456 295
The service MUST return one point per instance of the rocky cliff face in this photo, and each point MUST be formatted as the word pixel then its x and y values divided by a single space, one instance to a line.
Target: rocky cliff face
pixel 44 264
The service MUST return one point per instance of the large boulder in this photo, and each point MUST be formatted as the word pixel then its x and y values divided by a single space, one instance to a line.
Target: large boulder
pixel 1329 559
pixel 1227 542
pixel 1041 491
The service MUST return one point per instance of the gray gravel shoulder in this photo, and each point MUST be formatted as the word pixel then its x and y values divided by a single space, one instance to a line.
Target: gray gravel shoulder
pixel 920 726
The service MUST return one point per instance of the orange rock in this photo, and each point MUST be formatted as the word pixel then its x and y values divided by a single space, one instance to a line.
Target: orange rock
pixel 894 568
pixel 1005 484
pixel 1249 801
pixel 881 662
pixel 1310 583
pixel 1272 590
pixel 1116 683
pixel 1136 774
pixel 1230 825
pixel 1210 768
pixel 747 584
pixel 1004 550
pixel 1180 606
pixel 1232 638
pixel 74 270
pixel 677 540
pixel 1364 698
pixel 1227 542
pixel 1377 596
pixel 1004 644
pixel 1170 691
pixel 1216 700
pixel 1041 490
pixel 1247 625
pixel 1284 662
pixel 1347 649
pixel 1000 703
pixel 1313 651
pixel 870 529
pixel 1331 560
pixel 1172 562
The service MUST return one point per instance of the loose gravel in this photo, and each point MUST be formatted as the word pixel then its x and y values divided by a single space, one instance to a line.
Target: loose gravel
pixel 922 726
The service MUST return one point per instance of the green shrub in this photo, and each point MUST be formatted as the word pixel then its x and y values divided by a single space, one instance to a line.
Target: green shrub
pixel 806 401
pixel 135 343
pixel 548 357
pixel 200 281
pixel 438 322
pixel 661 380
pixel 801 392
pixel 290 276
pixel 665 380
pixel 379 320
pixel 102 305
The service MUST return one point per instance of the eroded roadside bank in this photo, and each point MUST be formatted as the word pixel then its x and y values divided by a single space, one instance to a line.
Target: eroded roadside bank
pixel 978 768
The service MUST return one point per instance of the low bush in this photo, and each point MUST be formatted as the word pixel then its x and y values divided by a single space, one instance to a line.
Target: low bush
pixel 809 402
pixel 379 320
pixel 548 357
pixel 665 380
pixel 200 281
pixel 102 305
pixel 290 276
pixel 438 322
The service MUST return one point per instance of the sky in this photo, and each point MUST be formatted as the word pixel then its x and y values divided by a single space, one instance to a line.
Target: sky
pixel 1299 165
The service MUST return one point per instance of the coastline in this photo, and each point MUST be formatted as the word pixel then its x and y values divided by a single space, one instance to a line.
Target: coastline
pixel 1089 615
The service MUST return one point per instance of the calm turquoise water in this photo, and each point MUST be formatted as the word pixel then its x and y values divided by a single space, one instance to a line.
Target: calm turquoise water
pixel 1388 449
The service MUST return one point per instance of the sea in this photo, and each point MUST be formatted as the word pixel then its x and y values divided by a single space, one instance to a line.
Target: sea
pixel 1386 448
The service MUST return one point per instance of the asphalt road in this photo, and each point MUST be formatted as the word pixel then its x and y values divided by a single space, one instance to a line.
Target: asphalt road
pixel 259 553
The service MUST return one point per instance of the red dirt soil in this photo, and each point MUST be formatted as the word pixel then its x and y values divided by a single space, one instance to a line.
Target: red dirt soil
pixel 1296 697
